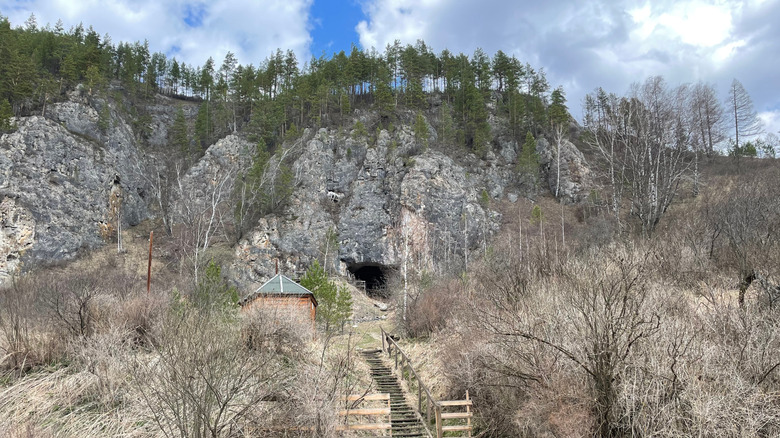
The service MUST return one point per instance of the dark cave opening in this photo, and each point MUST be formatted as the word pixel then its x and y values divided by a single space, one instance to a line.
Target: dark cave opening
pixel 373 274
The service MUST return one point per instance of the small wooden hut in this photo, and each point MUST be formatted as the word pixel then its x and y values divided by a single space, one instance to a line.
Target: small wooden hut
pixel 280 295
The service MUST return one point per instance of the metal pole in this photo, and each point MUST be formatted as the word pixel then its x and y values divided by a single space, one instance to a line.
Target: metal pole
pixel 149 269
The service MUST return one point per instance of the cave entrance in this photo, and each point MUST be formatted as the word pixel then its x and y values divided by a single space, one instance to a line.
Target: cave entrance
pixel 374 275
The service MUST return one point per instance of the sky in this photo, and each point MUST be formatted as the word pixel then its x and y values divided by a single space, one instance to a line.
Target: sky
pixel 581 45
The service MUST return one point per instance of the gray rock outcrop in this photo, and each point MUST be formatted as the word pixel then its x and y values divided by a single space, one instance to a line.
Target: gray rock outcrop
pixel 61 172
pixel 17 235
pixel 384 204
pixel 575 177
pixel 376 200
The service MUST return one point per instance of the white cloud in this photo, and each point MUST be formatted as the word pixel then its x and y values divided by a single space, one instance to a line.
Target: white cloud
pixel 599 43
pixel 404 20
pixel 771 121
pixel 726 51
pixel 250 29
pixel 698 24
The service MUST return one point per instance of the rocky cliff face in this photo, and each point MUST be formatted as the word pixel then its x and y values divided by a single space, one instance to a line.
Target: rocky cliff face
pixel 17 235
pixel 570 175
pixel 361 202
pixel 384 203
pixel 57 177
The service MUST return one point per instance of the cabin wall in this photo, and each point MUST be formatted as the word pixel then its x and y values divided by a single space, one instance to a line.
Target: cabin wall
pixel 284 308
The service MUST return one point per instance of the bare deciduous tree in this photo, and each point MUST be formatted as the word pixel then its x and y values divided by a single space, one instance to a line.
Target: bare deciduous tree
pixel 202 381
pixel 747 218
pixel 202 212
pixel 708 117
pixel 643 138
pixel 746 122
pixel 608 317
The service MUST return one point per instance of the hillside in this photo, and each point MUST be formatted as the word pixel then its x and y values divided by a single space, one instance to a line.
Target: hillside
pixel 615 278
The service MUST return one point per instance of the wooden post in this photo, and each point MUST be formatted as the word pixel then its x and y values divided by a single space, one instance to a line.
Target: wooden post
pixel 149 269
pixel 419 396
pixel 439 431
pixel 468 411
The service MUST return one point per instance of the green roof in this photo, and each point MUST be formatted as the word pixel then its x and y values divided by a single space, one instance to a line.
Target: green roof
pixel 280 285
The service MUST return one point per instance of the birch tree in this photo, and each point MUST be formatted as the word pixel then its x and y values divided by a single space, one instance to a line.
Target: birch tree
pixel 202 212
pixel 559 121
pixel 603 122
pixel 644 140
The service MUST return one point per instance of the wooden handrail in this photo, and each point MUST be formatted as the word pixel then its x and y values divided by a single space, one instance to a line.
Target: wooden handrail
pixel 390 346
pixel 386 336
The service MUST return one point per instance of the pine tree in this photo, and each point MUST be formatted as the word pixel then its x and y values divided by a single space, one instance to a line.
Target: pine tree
pixel 558 112
pixel 334 303
pixel 528 161
pixel 421 132
pixel 203 126
pixel 447 126
pixel 5 116
pixel 213 292
pixel 343 306
pixel 559 120
pixel 383 98
pixel 179 140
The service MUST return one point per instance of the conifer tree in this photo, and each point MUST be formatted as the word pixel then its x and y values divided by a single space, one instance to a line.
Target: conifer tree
pixel 745 120
pixel 334 302
pixel 559 120
pixel 528 161
pixel 5 116
pixel 421 132
pixel 179 140
pixel 203 126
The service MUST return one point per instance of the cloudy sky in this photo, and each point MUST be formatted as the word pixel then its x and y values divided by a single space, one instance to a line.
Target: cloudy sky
pixel 580 44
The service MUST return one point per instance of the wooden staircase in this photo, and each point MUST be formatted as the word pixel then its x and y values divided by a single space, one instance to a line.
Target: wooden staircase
pixel 404 419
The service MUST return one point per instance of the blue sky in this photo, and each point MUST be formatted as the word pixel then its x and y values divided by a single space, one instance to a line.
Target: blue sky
pixel 580 44
pixel 333 26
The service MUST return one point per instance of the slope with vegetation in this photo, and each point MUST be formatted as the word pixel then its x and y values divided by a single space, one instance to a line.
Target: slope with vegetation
pixel 619 278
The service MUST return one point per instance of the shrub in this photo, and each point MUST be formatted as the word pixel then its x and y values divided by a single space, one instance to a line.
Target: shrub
pixel 430 310
pixel 202 380
pixel 28 338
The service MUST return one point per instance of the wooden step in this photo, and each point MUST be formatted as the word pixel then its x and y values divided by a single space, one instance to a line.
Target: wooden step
pixel 455 428
pixel 452 415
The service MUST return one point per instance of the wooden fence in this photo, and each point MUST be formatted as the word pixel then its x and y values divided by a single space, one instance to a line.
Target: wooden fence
pixel 432 411
pixel 459 417
pixel 357 418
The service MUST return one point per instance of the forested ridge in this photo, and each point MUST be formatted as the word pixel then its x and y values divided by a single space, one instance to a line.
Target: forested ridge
pixel 38 64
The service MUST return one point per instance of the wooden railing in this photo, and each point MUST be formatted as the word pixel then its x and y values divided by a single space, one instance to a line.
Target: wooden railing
pixel 460 420
pixel 354 416
pixel 429 409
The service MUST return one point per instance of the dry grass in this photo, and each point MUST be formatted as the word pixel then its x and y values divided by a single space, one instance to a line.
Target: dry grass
pixel 66 403
pixel 130 364
pixel 525 334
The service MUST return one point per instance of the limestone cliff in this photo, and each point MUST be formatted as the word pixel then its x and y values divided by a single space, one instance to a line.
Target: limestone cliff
pixel 57 177
pixel 379 200
pixel 384 201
